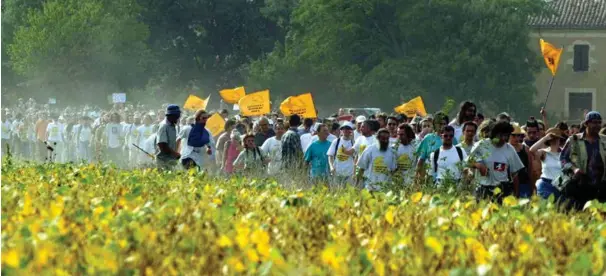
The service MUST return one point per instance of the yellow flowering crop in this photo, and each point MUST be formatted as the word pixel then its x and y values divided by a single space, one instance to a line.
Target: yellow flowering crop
pixel 70 220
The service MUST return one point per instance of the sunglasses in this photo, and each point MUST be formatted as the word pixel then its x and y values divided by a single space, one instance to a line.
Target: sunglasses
pixel 392 124
pixel 447 135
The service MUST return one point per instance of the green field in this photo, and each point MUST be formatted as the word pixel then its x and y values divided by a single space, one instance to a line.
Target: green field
pixel 70 220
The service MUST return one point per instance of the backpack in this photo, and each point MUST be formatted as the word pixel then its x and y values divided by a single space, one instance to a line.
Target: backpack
pixel 198 136
pixel 436 155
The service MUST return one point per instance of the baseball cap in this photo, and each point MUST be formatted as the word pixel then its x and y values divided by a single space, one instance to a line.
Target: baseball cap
pixel 593 115
pixel 346 124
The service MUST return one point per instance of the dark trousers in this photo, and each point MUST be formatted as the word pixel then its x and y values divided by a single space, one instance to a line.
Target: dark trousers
pixel 487 192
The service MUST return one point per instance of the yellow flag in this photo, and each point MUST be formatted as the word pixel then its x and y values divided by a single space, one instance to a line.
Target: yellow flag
pixel 551 54
pixel 232 96
pixel 215 124
pixel 412 107
pixel 194 102
pixel 301 105
pixel 255 104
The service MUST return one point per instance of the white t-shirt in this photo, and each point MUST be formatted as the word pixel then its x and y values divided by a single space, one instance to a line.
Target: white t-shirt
pixel 394 140
pixel 197 154
pixel 272 147
pixel 363 143
pixel 344 164
pixel 449 164
pixel 114 133
pixel 144 132
pixel 55 132
pixel 501 162
pixel 405 160
pixel 377 165
pixel 305 141
pixel 86 133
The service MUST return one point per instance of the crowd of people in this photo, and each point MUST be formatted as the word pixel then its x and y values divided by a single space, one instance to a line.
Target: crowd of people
pixel 496 156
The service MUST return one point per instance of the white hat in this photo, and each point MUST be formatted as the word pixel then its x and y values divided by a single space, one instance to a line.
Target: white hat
pixel 360 119
pixel 346 124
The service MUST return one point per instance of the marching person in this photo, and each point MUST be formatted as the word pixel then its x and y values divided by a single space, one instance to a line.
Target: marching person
pixel 497 162
pixel 166 139
pixel 376 163
pixel 405 151
pixel 341 163
pixel 251 159
pixel 585 155
pixel 196 142
pixel 273 149
pixel 447 161
pixel 315 155
pixel 547 149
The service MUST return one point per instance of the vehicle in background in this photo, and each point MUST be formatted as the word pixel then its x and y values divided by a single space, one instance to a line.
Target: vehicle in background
pixel 357 111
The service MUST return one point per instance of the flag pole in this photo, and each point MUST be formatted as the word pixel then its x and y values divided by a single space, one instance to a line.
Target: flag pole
pixel 549 91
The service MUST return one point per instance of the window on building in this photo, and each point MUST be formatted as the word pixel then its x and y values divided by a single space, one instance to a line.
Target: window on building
pixel 581 58
pixel 578 102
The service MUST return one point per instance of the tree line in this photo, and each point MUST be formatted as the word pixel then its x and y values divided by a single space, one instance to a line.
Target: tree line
pixel 346 52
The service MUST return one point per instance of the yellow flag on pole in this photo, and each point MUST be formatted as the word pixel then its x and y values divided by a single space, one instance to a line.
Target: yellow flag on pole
pixel 194 103
pixel 551 54
pixel 301 105
pixel 412 108
pixel 215 124
pixel 232 96
pixel 255 104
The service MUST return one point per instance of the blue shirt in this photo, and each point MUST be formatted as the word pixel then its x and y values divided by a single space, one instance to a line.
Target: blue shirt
pixel 316 156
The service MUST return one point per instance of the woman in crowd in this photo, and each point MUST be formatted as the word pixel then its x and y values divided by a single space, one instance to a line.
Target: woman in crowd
pixel 548 149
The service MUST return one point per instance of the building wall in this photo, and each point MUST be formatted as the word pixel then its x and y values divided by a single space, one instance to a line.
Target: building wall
pixel 567 81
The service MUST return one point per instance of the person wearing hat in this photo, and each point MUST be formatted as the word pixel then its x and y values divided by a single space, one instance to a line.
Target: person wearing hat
pixel 585 155
pixel 166 139
pixel 340 156
pixel 358 131
pixel 548 149
pixel 523 185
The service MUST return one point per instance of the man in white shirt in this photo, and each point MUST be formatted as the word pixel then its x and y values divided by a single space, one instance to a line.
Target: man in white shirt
pixel 376 163
pixel 114 139
pixel 272 147
pixel 405 152
pixel 357 132
pixel 342 164
pixel 54 138
pixel 447 161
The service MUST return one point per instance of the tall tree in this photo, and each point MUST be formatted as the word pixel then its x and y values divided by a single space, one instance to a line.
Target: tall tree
pixel 403 48
pixel 75 46
pixel 206 42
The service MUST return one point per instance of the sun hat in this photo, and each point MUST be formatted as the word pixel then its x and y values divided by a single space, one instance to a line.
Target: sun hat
pixel 360 119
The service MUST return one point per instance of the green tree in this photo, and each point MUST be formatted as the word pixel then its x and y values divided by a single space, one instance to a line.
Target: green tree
pixel 75 46
pixel 383 51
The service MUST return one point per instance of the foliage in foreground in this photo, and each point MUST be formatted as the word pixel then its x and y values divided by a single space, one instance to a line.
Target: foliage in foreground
pixel 62 219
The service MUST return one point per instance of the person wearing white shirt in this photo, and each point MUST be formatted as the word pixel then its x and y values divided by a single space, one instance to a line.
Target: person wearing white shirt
pixel 84 138
pixel 143 133
pixel 447 161
pixel 54 137
pixel 272 147
pixel 342 164
pixel 376 163
pixel 405 151
pixel 196 142
pixel 357 132
pixel 114 138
